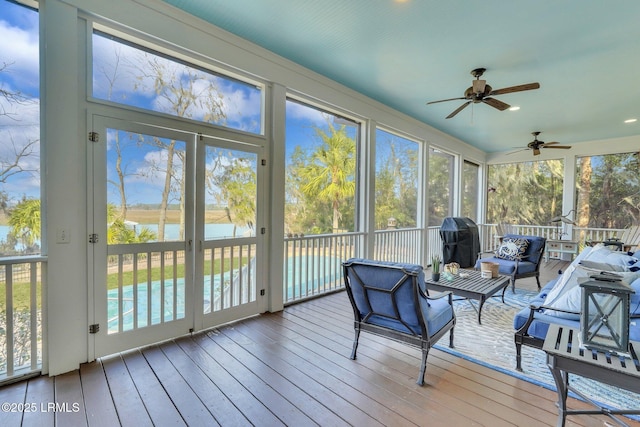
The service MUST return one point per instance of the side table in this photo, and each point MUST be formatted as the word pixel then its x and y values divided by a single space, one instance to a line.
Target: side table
pixel 565 356
pixel 560 247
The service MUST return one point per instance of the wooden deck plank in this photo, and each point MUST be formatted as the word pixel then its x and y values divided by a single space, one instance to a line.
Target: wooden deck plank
pixel 187 403
pixel 294 368
pixel 366 410
pixel 97 396
pixel 155 398
pixel 126 399
pixel 265 368
pixel 265 392
pixel 39 390
pixel 223 409
pixel 12 399
pixel 253 409
pixel 68 405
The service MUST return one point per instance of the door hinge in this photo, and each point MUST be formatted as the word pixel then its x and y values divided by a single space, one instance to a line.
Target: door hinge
pixel 94 136
pixel 93 238
pixel 263 230
pixel 261 292
pixel 264 162
pixel 93 329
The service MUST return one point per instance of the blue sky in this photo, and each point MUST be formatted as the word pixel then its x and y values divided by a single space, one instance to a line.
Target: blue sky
pixel 19 122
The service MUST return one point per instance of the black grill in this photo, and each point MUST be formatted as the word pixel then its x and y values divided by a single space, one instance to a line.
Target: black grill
pixel 460 241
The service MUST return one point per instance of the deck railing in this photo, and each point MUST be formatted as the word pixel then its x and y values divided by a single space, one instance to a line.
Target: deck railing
pixel 312 263
pixel 312 266
pixel 21 314
pixel 402 245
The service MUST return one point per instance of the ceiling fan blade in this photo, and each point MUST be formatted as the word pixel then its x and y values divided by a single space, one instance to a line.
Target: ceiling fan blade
pixel 496 103
pixel 460 108
pixel 517 151
pixel 557 146
pixel 445 100
pixel 519 88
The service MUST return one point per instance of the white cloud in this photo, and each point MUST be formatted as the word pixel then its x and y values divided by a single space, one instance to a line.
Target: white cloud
pixel 302 112
pixel 19 51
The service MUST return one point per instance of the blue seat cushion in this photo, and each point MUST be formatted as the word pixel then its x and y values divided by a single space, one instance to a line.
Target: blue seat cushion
pixel 507 267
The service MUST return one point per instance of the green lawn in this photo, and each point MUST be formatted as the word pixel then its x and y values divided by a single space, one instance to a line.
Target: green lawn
pixel 22 290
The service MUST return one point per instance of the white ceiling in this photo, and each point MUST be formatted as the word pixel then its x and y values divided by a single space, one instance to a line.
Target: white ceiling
pixel 584 53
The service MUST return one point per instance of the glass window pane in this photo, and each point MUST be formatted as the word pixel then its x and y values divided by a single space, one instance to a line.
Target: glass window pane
pixel 470 181
pixel 320 186
pixel 441 170
pixel 231 187
pixel 140 78
pixel 527 193
pixel 396 181
pixel 20 227
pixel 145 188
pixel 608 191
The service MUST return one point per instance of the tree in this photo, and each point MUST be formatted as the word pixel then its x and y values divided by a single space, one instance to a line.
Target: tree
pixel 25 222
pixel 396 184
pixel 330 174
pixel 234 185
pixel 584 191
pixel 118 232
pixel 185 92
pixel 17 155
pixel 525 193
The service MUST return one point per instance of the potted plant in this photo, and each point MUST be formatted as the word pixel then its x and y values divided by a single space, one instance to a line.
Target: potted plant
pixel 435 268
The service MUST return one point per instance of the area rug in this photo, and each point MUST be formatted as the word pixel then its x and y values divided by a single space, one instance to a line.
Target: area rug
pixel 491 344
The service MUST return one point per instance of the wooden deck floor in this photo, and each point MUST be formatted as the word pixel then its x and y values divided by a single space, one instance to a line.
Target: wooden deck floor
pixel 288 368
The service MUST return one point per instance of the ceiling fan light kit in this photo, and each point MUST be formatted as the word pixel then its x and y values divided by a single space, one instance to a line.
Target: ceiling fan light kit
pixel 481 92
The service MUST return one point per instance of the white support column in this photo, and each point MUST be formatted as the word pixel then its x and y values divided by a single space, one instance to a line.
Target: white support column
pixel 277 101
pixel 423 201
pixel 568 192
pixel 367 186
pixel 64 151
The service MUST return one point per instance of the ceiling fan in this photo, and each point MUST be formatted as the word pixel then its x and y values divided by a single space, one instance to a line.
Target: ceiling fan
pixel 480 91
pixel 536 145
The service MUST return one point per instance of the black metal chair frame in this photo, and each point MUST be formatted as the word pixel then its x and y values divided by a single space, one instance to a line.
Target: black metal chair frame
pixel 423 341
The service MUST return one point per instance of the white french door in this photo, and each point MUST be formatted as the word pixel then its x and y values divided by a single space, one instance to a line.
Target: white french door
pixel 140 208
pixel 229 176
pixel 174 245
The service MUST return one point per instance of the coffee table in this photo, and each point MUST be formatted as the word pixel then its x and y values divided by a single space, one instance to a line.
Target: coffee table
pixel 473 287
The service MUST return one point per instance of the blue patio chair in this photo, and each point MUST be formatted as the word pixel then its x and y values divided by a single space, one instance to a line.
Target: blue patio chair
pixel 525 263
pixel 390 300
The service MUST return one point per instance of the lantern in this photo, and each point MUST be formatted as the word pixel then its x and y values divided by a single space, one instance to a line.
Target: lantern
pixel 604 319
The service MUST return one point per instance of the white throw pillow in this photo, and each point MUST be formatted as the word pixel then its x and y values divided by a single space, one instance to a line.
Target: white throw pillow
pixel 606 255
pixel 569 298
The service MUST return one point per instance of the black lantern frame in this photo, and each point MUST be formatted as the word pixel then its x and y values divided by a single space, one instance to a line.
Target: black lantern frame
pixel 604 318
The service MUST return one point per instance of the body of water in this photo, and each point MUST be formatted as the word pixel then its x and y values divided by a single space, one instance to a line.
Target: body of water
pixel 172 231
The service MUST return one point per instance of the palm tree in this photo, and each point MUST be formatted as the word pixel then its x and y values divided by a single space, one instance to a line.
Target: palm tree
pixel 330 176
pixel 24 220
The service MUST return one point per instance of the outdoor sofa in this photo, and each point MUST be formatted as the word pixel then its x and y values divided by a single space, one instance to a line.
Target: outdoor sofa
pixel 559 300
